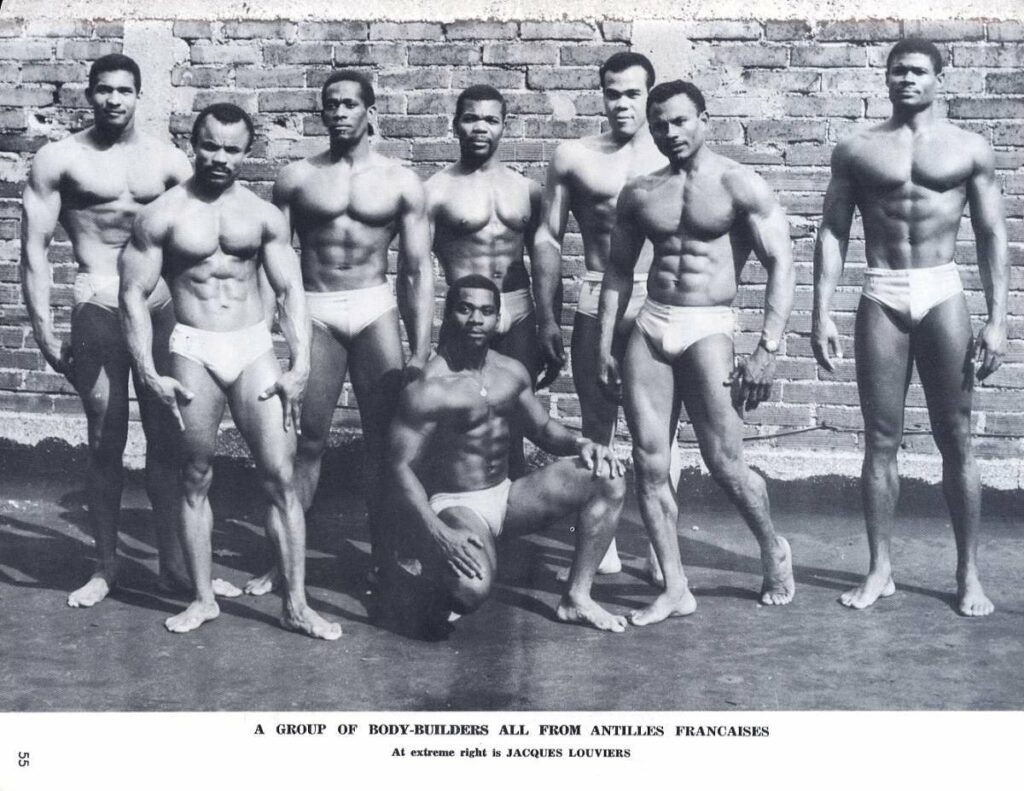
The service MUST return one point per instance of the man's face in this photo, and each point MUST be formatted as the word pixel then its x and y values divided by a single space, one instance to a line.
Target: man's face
pixel 625 97
pixel 220 149
pixel 912 81
pixel 476 316
pixel 345 114
pixel 113 99
pixel 677 128
pixel 479 128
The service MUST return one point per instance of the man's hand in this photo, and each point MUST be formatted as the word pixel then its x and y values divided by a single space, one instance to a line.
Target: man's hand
pixel 609 380
pixel 825 342
pixel 549 336
pixel 989 347
pixel 594 456
pixel 290 388
pixel 168 390
pixel 63 362
pixel 413 370
pixel 460 549
pixel 751 379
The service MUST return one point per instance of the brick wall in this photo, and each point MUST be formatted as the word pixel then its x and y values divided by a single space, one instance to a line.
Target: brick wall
pixel 781 93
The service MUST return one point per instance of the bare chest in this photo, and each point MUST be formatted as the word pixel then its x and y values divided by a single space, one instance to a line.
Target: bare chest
pixel 202 232
pixel 331 195
pixel 903 168
pixel 487 207
pixel 118 176
pixel 689 208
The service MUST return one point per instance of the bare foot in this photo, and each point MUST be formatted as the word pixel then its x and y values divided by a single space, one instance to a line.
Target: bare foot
pixel 873 587
pixel 225 589
pixel 778 586
pixel 971 599
pixel 589 613
pixel 311 623
pixel 610 564
pixel 263 584
pixel 194 616
pixel 174 583
pixel 93 592
pixel 663 607
pixel 652 568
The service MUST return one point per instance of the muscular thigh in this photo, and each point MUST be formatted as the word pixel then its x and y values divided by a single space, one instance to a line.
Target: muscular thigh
pixel 262 421
pixel 101 361
pixel 942 349
pixel 701 374
pixel 882 350
pixel 328 364
pixel 599 414
pixel 157 421
pixel 520 343
pixel 649 396
pixel 546 495
pixel 376 370
pixel 201 415
pixel 466 520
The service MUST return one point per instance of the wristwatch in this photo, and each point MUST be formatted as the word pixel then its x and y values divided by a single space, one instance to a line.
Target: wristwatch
pixel 770 345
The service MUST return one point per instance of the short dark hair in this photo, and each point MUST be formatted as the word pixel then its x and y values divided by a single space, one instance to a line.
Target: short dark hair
pixel 917 45
pixel 621 61
pixel 366 93
pixel 115 61
pixel 226 113
pixel 480 93
pixel 664 91
pixel 452 297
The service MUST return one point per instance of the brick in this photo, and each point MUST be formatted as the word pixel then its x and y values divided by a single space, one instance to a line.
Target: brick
pixel 377 54
pixel 736 106
pixel 788 130
pixel 419 126
pixel 86 50
pixel 547 79
pixel 617 30
pixel 1006 83
pixel 204 98
pixel 528 103
pixel 248 28
pixel 868 30
pixel 797 181
pixel 201 76
pixel 787 81
pixel 12 28
pixel 828 55
pixel 590 103
pixel 1008 56
pixel 499 78
pixel 21 143
pixel 571 128
pixel 192 29
pixel 744 55
pixel 406 31
pixel 722 30
pixel 28 50
pixel 1003 134
pixel 572 31
pixel 258 77
pixel 333 31
pixel 444 54
pixel 808 106
pixel 986 108
pixel 12 120
pixel 277 54
pixel 288 101
pixel 414 79
pixel 1006 31
pixel 852 81
pixel 24 96
pixel 725 129
pixel 476 30
pixel 944 30
pixel 786 30
pixel 521 53
pixel 203 52
pixel 443 151
pixel 431 103
pixel 588 54
pixel 59 28
pixel 748 155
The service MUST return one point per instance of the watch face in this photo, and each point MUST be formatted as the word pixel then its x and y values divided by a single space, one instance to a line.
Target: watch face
pixel 770 345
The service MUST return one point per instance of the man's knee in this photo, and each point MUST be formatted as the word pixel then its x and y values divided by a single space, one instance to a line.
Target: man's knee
pixel 106 445
pixel 882 445
pixel 196 478
pixel 953 440
pixel 726 467
pixel 607 488
pixel 278 480
pixel 468 594
pixel 652 468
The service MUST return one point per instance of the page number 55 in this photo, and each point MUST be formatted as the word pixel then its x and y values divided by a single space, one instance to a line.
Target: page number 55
pixel 23 759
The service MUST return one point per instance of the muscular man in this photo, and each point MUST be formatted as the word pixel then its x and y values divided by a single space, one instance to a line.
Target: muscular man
pixel 911 177
pixel 482 215
pixel 211 238
pixel 93 183
pixel 585 178
pixel 704 214
pixel 346 205
pixel 453 427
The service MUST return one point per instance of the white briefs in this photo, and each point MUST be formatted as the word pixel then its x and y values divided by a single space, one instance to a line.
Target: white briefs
pixel 224 354
pixel 491 504
pixel 515 306
pixel 912 293
pixel 345 314
pixel 672 329
pixel 589 301
pixel 102 291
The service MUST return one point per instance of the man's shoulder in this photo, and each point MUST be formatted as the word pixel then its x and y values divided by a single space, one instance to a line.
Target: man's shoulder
pixel 510 366
pixel 962 139
pixel 59 154
pixel 393 173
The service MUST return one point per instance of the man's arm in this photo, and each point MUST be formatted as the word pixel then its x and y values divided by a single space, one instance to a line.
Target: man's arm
pixel 769 234
pixel 281 197
pixel 41 204
pixel 546 263
pixel 415 271
pixel 411 430
pixel 617 287
pixel 281 267
pixel 829 257
pixel 550 435
pixel 989 223
pixel 140 266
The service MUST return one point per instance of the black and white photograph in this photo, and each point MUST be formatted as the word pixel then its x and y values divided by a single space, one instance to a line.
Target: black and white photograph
pixel 554 386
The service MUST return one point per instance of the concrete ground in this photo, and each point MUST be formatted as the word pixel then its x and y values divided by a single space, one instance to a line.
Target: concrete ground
pixel 909 652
